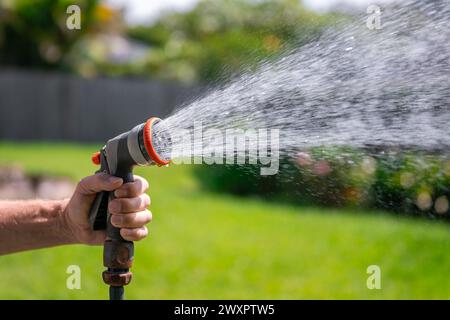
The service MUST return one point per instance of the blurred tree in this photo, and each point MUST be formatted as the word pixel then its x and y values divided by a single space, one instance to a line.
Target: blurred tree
pixel 214 40
pixel 33 33
pixel 219 38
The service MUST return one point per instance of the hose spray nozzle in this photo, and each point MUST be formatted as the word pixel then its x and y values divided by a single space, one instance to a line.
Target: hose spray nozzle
pixel 146 144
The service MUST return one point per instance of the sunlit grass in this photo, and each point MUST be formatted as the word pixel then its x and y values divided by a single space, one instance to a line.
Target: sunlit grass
pixel 206 245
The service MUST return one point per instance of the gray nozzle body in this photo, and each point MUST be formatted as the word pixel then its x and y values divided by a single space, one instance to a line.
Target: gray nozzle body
pixel 133 147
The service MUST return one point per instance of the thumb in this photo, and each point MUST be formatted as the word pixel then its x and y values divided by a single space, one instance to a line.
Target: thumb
pixel 98 182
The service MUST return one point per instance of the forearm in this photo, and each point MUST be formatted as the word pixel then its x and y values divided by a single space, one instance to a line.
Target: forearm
pixel 26 225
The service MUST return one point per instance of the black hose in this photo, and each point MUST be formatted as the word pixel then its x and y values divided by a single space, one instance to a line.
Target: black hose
pixel 116 293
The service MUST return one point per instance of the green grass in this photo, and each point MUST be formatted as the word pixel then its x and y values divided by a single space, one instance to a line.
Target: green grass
pixel 206 245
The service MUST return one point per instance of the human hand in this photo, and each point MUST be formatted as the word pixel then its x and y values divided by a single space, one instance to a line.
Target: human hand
pixel 128 209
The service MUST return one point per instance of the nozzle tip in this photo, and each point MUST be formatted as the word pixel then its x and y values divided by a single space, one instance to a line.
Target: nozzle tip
pixel 149 143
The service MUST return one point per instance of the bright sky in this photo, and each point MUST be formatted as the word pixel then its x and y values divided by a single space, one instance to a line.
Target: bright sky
pixel 142 11
pixel 324 5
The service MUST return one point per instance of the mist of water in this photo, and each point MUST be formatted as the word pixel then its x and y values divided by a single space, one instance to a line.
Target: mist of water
pixel 351 87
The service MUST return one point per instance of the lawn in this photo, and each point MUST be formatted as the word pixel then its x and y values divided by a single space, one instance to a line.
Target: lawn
pixel 205 245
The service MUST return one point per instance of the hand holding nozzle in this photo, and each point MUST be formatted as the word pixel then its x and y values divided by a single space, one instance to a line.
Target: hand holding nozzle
pixel 143 145
pixel 134 217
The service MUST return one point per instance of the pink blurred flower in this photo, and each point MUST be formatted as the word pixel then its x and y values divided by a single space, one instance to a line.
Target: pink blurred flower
pixel 322 168
pixel 303 159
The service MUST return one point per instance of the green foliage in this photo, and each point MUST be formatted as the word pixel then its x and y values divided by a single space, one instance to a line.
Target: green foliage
pixel 219 38
pixel 208 246
pixel 403 182
pixel 213 41
pixel 412 183
pixel 33 33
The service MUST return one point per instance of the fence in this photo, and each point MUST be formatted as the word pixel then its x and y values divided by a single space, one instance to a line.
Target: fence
pixel 51 106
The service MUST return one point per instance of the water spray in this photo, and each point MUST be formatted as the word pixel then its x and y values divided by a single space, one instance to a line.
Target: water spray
pixel 146 144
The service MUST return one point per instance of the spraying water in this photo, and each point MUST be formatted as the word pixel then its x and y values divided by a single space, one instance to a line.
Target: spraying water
pixel 352 87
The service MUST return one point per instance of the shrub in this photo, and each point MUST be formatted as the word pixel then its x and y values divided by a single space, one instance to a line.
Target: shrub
pixel 402 182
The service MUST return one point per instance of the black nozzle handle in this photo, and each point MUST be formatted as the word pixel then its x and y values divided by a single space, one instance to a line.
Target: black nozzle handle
pixel 118 253
pixel 124 170
pixel 112 232
pixel 99 208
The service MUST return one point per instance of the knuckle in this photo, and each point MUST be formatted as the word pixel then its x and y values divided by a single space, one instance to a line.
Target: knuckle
pixel 82 181
pixel 134 234
pixel 127 221
pixel 129 205
pixel 136 219
pixel 141 233
pixel 123 191
pixel 135 188
pixel 115 206
pixel 131 189
pixel 133 204
pixel 116 221
pixel 126 190
pixel 148 216
pixel 125 234
pixel 145 184
pixel 82 184
pixel 145 200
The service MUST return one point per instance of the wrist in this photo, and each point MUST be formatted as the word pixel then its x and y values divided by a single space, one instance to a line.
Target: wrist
pixel 65 229
pixel 34 224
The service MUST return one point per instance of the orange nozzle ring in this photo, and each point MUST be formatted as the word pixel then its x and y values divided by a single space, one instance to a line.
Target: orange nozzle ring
pixel 147 132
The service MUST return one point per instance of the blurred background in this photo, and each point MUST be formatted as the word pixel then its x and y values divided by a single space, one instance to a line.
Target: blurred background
pixel 218 231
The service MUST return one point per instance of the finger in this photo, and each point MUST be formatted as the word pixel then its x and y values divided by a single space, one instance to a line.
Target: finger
pixel 98 182
pixel 131 220
pixel 129 205
pixel 135 234
pixel 132 189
